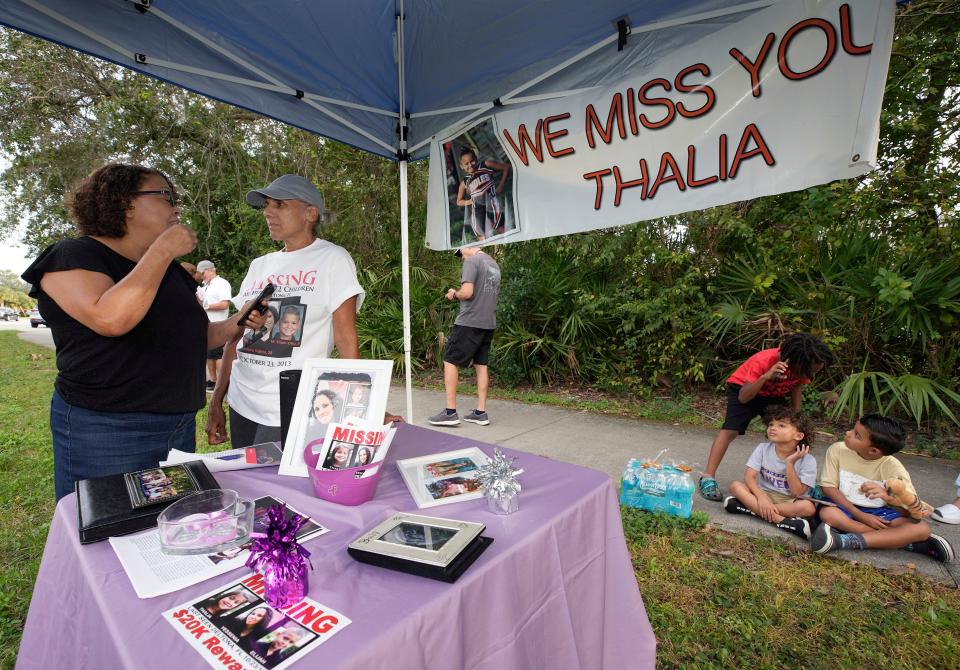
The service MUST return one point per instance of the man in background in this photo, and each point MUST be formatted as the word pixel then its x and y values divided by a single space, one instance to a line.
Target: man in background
pixel 469 341
pixel 214 294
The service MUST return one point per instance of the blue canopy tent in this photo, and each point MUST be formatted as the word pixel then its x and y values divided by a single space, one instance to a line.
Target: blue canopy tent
pixel 384 76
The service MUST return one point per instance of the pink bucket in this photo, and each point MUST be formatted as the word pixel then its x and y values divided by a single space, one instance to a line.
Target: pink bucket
pixel 342 486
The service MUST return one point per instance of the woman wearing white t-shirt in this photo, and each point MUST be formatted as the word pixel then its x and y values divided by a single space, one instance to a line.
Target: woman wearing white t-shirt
pixel 318 277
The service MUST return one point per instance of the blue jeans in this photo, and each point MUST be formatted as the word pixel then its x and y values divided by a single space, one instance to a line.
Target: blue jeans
pixel 88 443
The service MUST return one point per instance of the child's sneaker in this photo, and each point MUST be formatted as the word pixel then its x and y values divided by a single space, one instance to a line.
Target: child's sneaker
pixel 825 539
pixel 796 525
pixel 734 506
pixel 709 489
pixel 936 548
pixel 479 418
pixel 445 418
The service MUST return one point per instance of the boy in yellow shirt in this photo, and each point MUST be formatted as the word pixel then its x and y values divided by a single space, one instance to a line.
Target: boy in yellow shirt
pixel 853 476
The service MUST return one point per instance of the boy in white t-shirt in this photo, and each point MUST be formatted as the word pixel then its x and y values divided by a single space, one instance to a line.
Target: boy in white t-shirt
pixel 778 473
pixel 316 282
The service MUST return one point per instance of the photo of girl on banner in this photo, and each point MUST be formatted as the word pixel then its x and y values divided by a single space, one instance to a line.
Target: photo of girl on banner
pixel 480 186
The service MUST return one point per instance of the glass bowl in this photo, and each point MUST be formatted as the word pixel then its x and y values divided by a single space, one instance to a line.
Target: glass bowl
pixel 205 523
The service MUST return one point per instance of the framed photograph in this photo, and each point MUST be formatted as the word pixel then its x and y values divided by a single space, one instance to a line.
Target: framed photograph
pixel 425 546
pixel 333 391
pixel 159 485
pixel 443 478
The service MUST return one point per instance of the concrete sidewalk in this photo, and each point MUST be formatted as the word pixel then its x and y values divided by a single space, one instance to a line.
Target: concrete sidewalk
pixel 606 443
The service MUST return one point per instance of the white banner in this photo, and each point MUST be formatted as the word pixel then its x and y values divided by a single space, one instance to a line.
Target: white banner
pixel 782 100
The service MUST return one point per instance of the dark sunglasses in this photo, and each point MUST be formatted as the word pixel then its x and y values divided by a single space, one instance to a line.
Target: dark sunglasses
pixel 172 198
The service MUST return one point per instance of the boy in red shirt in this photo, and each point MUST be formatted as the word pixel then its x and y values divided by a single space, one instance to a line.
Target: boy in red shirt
pixel 764 379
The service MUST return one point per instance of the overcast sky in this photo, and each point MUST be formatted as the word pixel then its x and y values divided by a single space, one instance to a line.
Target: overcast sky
pixel 13 255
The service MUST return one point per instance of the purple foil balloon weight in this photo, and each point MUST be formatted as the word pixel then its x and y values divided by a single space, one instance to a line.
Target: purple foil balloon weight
pixel 276 554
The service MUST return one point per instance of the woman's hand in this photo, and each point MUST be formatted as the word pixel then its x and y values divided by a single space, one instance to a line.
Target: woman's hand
pixel 176 240
pixel 216 424
pixel 256 319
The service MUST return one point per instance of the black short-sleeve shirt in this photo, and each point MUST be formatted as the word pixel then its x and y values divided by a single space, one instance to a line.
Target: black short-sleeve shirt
pixel 158 366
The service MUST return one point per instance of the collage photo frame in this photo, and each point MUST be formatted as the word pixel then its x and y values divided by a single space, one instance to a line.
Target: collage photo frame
pixel 333 391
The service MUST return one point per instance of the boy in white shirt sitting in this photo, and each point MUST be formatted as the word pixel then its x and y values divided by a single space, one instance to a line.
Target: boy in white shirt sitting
pixel 778 473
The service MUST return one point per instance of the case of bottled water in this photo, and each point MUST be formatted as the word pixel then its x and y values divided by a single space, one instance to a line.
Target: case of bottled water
pixel 657 487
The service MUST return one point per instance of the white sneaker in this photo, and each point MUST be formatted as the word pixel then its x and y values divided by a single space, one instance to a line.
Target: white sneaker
pixel 948 513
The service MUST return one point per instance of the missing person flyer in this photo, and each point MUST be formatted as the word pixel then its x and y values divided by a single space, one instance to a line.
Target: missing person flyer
pixel 233 627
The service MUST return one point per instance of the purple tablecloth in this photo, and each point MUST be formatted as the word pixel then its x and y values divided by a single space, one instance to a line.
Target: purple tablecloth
pixel 555 589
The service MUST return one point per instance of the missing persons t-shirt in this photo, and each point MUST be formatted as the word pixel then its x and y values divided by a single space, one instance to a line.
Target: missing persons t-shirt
pixel 311 283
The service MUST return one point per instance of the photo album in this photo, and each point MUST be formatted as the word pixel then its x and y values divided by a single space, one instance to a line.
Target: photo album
pixel 156 485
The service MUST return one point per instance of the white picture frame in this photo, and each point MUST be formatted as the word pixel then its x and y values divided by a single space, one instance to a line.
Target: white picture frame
pixel 339 381
pixel 445 477
pixel 414 538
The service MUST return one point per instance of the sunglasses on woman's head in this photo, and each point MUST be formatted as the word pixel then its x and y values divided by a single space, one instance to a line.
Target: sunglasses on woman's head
pixel 172 198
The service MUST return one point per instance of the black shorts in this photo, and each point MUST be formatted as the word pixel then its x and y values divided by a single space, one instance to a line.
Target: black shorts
pixel 739 414
pixel 467 345
pixel 215 354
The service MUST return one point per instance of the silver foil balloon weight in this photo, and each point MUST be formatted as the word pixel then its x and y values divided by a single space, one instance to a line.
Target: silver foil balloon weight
pixel 498 480
pixel 507 505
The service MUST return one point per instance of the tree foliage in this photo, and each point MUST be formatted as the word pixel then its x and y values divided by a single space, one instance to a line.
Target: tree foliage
pixel 869 264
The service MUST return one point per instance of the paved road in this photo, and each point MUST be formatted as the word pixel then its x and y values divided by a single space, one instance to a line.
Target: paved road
pixel 606 443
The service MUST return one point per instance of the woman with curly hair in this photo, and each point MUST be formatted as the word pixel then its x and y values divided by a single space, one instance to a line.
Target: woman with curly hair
pixel 766 378
pixel 131 338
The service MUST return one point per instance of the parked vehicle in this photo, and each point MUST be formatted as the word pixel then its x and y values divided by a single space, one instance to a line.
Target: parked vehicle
pixel 35 318
pixel 8 314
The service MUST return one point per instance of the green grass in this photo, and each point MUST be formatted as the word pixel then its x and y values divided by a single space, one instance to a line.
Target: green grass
pixel 26 487
pixel 720 600
pixel 673 410
pixel 715 599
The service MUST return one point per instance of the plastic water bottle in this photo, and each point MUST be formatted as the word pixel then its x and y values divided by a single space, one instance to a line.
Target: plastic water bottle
pixel 685 495
pixel 660 493
pixel 645 485
pixel 628 485
pixel 673 494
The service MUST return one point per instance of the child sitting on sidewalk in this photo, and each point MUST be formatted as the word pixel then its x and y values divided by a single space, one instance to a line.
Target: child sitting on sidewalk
pixel 767 378
pixel 855 476
pixel 778 473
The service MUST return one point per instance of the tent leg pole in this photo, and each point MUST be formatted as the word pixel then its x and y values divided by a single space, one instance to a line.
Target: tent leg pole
pixel 405 252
